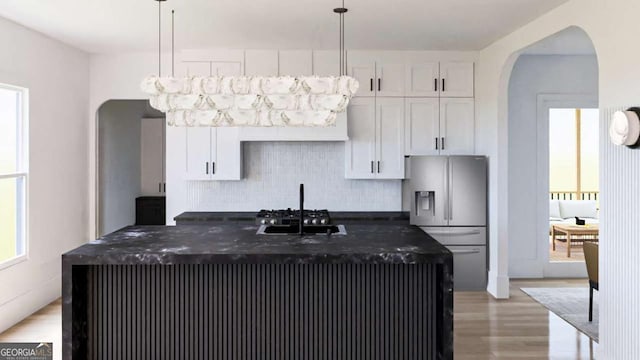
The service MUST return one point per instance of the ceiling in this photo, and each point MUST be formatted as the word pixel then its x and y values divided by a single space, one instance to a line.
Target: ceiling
pixel 572 41
pixel 100 26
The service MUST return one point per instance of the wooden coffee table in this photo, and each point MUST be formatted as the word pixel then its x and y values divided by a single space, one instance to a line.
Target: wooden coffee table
pixel 574 233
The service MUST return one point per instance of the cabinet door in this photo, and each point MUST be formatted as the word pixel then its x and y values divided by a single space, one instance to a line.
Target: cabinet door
pixel 226 155
pixel 326 63
pixel 422 126
pixel 261 62
pixel 360 149
pixel 390 138
pixel 198 153
pixel 456 79
pixel 226 68
pixel 295 63
pixel 152 156
pixel 197 68
pixel 390 79
pixel 423 79
pixel 365 73
pixel 457 126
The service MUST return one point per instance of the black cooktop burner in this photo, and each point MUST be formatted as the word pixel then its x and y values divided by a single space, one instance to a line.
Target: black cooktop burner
pixel 292 217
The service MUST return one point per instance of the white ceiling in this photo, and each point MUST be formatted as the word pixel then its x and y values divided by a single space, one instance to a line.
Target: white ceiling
pixel 572 41
pixel 107 26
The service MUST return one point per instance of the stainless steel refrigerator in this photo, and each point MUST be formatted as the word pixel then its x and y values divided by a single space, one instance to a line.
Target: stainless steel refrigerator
pixel 449 202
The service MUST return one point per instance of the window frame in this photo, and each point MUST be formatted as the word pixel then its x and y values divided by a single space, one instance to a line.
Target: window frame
pixel 21 172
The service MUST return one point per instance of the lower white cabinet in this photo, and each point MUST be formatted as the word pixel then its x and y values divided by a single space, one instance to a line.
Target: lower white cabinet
pixel 375 149
pixel 444 126
pixel 213 154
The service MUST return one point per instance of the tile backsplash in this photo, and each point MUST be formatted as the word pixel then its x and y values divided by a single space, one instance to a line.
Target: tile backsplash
pixel 273 172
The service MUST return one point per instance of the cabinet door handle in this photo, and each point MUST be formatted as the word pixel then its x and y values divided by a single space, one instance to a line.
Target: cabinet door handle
pixel 379 84
pixel 443 88
pixel 442 144
pixel 207 171
pixel 213 167
pixel 165 186
pixel 159 187
pixel 372 167
pixel 378 167
pixel 437 144
pixel 435 84
pixel 371 84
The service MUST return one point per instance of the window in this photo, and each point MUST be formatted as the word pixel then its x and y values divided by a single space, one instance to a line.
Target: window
pixel 13 173
pixel 573 154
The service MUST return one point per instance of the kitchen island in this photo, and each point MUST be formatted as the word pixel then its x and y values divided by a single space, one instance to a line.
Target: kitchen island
pixel 223 292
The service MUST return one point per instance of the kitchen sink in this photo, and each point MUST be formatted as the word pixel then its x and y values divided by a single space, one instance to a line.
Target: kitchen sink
pixel 308 230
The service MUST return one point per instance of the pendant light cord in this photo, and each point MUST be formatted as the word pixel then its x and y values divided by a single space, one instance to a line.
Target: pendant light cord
pixel 159 38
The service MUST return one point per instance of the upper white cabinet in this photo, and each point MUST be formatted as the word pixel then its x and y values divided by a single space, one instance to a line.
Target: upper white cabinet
pixel 326 63
pixel 442 126
pixel 152 150
pixel 423 79
pixel 456 79
pixel 375 149
pixel 379 74
pixel 261 62
pixel 295 62
pixel 213 154
pixel 457 126
pixel 422 126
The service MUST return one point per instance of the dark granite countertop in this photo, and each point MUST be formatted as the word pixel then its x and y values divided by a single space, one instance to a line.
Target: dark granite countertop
pixel 338 217
pixel 232 243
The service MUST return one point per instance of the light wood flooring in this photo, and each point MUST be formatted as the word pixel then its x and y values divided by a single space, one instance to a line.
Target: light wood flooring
pixel 485 328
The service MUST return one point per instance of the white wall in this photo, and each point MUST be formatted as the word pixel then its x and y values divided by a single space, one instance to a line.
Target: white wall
pixel 58 80
pixel 533 76
pixel 119 162
pixel 612 25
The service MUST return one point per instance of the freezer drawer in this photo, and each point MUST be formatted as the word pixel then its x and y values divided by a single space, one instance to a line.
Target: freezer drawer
pixel 458 235
pixel 469 267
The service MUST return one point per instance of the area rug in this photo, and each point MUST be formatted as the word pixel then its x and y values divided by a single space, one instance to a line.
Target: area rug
pixel 571 304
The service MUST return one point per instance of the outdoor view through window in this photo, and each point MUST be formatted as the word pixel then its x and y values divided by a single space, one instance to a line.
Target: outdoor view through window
pixel 13 173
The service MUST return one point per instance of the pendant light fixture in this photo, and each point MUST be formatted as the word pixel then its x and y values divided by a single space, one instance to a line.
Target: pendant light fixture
pixel 250 100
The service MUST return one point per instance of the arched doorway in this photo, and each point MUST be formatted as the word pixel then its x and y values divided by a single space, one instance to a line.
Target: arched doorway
pixel 553 84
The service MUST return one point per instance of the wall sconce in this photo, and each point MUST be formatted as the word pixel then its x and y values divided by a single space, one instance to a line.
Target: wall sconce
pixel 625 128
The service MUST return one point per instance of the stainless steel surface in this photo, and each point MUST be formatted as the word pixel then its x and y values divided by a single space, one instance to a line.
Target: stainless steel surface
pixel 467 191
pixel 456 188
pixel 458 235
pixel 342 230
pixel 468 265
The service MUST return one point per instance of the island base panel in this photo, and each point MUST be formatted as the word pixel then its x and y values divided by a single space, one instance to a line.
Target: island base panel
pixel 265 311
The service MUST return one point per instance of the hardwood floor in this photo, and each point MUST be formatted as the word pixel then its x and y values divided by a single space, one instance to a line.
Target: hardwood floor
pixel 485 328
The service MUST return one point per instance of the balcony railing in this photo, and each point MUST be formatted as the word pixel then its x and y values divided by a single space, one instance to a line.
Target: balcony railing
pixel 574 195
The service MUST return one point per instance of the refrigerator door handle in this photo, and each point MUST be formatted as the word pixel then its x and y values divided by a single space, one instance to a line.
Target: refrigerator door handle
pixel 450 188
pixel 446 189
pixel 469 232
pixel 474 251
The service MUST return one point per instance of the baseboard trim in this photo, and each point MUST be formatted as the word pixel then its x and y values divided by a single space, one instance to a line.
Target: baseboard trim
pixel 18 308
pixel 498 285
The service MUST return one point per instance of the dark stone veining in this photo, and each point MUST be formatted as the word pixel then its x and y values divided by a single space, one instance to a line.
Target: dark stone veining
pixel 228 243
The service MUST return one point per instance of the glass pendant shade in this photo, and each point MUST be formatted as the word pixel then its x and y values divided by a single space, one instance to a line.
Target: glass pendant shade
pixel 250 100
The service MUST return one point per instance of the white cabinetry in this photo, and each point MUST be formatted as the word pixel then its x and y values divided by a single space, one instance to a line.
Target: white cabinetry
pixel 422 79
pixel 456 79
pixel 375 149
pixel 213 153
pixel 380 74
pixel 442 126
pixel 152 150
pixel 295 62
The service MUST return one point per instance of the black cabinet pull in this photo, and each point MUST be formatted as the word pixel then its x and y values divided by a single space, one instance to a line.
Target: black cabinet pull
pixel 436 143
pixel 207 167
pixel 379 82
pixel 213 167
pixel 165 186
pixel 378 167
pixel 443 88
pixel 372 167
pixel 159 187
pixel 371 84
pixel 442 143
pixel 435 84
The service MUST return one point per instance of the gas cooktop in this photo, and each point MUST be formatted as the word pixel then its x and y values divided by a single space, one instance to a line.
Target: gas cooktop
pixel 292 217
